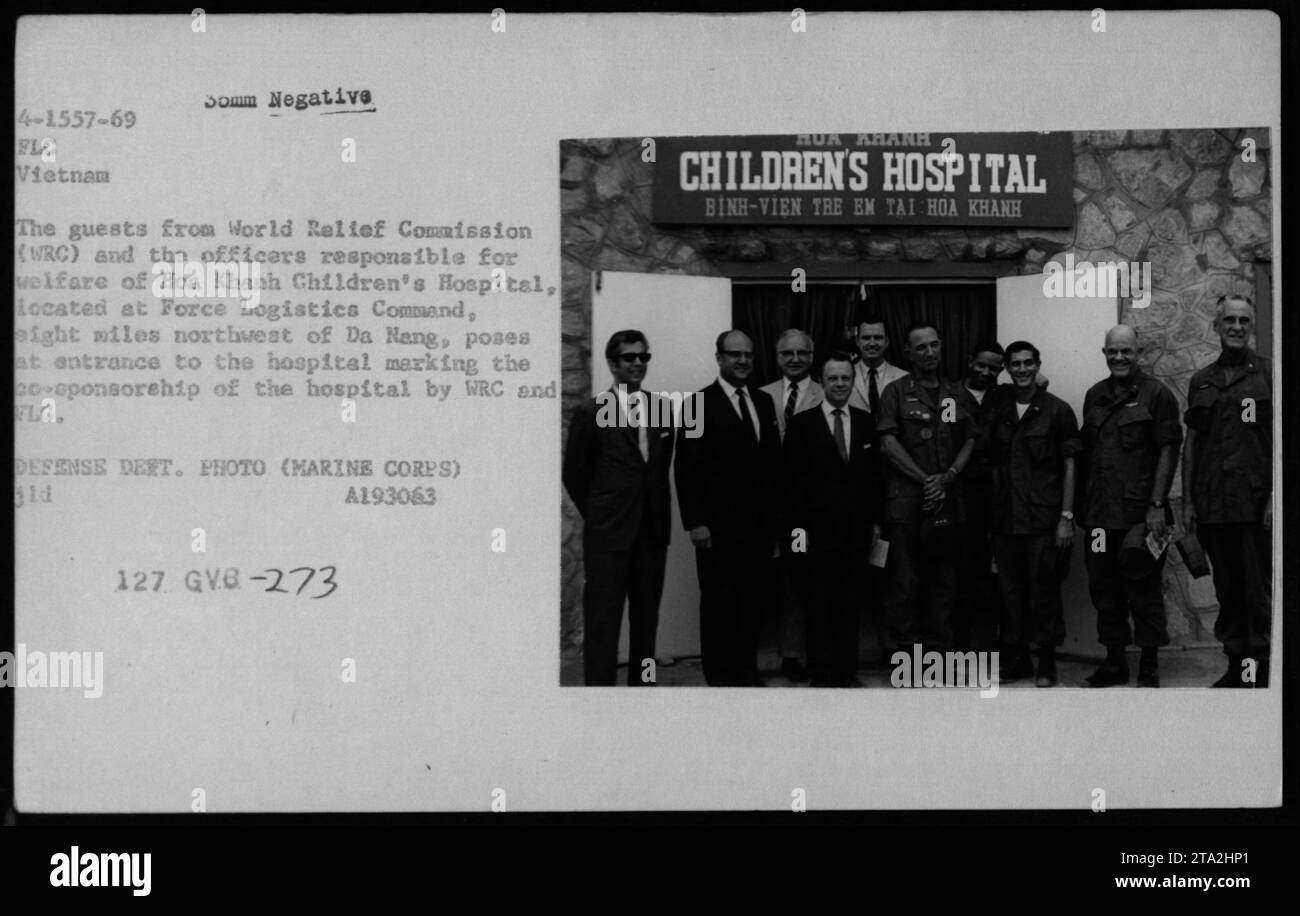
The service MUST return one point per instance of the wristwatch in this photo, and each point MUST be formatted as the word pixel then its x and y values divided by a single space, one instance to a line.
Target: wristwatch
pixel 1157 504
pixel 1067 515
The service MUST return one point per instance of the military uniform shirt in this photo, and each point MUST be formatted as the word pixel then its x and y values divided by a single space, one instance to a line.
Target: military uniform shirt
pixel 1234 440
pixel 915 415
pixel 1123 433
pixel 1028 454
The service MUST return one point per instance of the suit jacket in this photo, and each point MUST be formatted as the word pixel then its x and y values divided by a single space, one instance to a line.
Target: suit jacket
pixel 860 397
pixel 617 492
pixel 833 502
pixel 810 395
pixel 724 479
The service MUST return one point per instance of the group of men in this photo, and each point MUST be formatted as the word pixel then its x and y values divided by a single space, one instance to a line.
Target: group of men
pixel 946 508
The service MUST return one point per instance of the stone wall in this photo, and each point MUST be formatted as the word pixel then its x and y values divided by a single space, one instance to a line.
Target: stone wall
pixel 1184 200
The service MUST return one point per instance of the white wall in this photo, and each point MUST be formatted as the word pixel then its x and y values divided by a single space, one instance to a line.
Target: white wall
pixel 680 316
pixel 1069 333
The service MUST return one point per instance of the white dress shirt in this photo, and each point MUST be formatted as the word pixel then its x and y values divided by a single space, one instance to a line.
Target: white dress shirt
pixel 827 412
pixel 626 399
pixel 885 374
pixel 810 395
pixel 786 385
pixel 730 391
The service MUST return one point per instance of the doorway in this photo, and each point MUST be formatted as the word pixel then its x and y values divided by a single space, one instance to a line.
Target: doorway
pixel 964 312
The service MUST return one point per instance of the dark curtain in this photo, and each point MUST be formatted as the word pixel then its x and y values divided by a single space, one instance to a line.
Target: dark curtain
pixel 964 314
pixel 764 310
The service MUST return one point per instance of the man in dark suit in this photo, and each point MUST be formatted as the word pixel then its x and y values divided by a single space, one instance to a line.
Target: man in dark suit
pixel 832 493
pixel 725 472
pixel 794 392
pixel 616 471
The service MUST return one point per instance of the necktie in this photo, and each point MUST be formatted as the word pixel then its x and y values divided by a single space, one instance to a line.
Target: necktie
pixel 791 401
pixel 746 418
pixel 873 393
pixel 839 434
pixel 642 435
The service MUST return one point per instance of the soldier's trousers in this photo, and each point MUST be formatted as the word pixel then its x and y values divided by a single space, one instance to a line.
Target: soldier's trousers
pixel 1031 590
pixel 1117 598
pixel 1242 561
pixel 978 609
pixel 921 592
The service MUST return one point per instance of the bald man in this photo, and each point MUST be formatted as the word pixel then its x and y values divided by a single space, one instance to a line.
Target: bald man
pixel 1131 436
pixel 1228 488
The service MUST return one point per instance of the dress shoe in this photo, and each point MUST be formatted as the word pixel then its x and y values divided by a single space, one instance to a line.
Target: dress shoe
pixel 1112 672
pixel 1148 669
pixel 1109 673
pixel 793 670
pixel 1046 668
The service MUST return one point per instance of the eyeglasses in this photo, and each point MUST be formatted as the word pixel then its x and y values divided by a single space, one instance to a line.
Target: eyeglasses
pixel 631 358
pixel 791 354
pixel 738 354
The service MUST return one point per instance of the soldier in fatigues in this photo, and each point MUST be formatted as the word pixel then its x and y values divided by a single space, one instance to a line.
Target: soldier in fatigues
pixel 1130 436
pixel 975 618
pixel 926 438
pixel 1031 439
pixel 1228 488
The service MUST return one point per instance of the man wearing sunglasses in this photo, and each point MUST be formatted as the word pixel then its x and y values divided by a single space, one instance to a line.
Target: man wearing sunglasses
pixel 616 464
pixel 726 489
pixel 793 393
